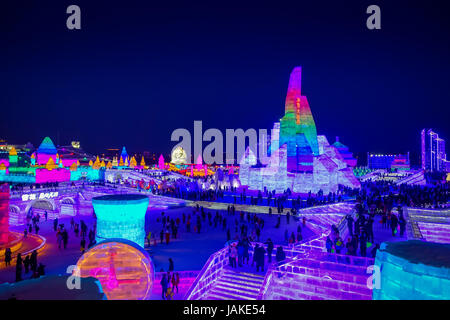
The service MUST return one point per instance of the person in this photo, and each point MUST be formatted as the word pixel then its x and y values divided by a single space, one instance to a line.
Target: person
pixel 269 249
pixel 350 225
pixel 19 268
pixel 41 270
pixel 288 215
pixel 46 215
pixel 240 252
pixel 59 238
pixel 402 224
pixel 149 238
pixel 161 236
pixel 65 237
pixel 286 236
pixel 188 225
pixel 25 233
pixel 76 229
pixel 329 245
pixel 8 257
pixel 259 257
pixel 349 246
pixel 338 244
pixel 26 263
pixel 169 293
pixel 233 255
pixel 246 254
pixel 394 222
pixel 164 285
pixel 258 233
pixel 82 245
pixel 175 281
pixel 33 260
pixel 167 236
pixel 280 255
pixel 55 224
pixel 363 244
pixel 171 265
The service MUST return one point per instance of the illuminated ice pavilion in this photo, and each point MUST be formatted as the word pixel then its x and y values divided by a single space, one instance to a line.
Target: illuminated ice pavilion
pixel 300 160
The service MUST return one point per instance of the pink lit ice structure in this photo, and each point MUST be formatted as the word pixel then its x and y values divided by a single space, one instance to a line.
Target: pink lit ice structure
pixel 161 164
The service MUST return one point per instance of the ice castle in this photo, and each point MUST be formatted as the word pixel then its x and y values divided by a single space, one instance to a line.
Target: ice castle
pixel 299 159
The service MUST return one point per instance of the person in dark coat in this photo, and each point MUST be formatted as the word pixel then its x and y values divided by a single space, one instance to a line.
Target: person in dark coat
pixel 363 244
pixel 394 222
pixel 269 249
pixel 171 268
pixel 8 257
pixel 402 224
pixel 279 257
pixel 41 270
pixel 26 264
pixel 259 258
pixel 19 268
pixel 350 225
pixel 33 261
pixel 65 237
pixel 164 284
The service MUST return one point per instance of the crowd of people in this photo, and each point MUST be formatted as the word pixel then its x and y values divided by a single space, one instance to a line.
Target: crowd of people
pixel 177 188
pixel 389 195
pixel 25 265
pixel 239 253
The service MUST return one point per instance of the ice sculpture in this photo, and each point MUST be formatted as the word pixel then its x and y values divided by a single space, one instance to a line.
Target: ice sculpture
pixel 300 160
pixel 413 270
pixel 121 216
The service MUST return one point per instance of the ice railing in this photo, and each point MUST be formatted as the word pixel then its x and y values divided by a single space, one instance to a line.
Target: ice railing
pixel 321 226
pixel 323 265
pixel 214 266
pixel 208 275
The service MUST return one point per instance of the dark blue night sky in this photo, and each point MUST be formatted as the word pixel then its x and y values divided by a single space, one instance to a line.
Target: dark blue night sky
pixel 135 71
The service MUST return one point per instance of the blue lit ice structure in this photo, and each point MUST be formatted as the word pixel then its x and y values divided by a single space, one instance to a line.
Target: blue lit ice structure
pixel 413 270
pixel 121 216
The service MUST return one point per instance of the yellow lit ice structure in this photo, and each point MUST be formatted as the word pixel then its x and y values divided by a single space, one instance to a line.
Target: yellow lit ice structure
pixel 125 270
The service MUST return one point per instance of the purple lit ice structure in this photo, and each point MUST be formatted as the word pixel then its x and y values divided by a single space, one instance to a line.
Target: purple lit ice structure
pixel 121 216
pixel 319 275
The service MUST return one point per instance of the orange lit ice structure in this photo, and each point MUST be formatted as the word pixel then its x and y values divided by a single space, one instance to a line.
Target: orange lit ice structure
pixel 125 270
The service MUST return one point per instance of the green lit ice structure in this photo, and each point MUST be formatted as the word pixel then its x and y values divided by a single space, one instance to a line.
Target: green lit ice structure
pixel 413 270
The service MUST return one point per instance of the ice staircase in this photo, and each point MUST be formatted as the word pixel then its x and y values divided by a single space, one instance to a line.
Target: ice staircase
pixel 417 178
pixel 235 285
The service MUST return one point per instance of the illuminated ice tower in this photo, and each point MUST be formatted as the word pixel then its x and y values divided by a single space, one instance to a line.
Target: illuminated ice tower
pixel 297 127
pixel 300 160
pixel 433 151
